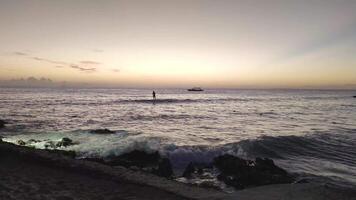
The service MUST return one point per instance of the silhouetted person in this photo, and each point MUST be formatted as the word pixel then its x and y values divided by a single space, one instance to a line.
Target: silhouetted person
pixel 154 95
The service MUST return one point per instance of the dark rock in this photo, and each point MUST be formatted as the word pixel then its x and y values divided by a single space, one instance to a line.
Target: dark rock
pixel 164 168
pixel 149 162
pixel 242 173
pixel 21 142
pixel 354 96
pixel 189 170
pixel 209 184
pixel 30 141
pixel 102 131
pixel 304 180
pixel 135 158
pixel 194 170
pixel 98 160
pixel 50 145
pixel 2 123
pixel 64 142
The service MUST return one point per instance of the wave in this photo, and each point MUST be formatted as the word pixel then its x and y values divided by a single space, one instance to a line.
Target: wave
pixel 338 148
pixel 325 157
pixel 320 154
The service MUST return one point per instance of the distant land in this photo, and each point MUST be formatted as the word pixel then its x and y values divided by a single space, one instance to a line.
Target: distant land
pixel 44 82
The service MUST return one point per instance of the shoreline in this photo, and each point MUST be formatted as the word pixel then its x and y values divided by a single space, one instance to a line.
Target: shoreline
pixel 27 170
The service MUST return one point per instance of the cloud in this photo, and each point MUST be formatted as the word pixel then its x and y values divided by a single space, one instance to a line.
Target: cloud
pixel 50 61
pixel 84 69
pixel 89 62
pixel 19 53
pixel 61 64
pixel 116 70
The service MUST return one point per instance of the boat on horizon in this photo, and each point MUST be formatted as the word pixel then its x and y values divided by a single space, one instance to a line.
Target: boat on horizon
pixel 195 89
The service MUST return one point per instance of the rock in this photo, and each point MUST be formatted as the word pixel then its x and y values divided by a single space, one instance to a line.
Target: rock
pixel 21 142
pixel 70 154
pixel 50 145
pixel 2 123
pixel 194 170
pixel 304 180
pixel 209 184
pixel 164 168
pixel 149 162
pixel 30 141
pixel 136 158
pixel 102 131
pixel 354 96
pixel 241 173
pixel 189 170
pixel 64 142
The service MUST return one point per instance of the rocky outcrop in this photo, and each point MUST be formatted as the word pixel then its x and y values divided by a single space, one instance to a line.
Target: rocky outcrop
pixel 189 170
pixel 21 142
pixel 102 131
pixel 241 173
pixel 2 123
pixel 64 142
pixel 48 174
pixel 149 162
pixel 195 169
pixel 164 168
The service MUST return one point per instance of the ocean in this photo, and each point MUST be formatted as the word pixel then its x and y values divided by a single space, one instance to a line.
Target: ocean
pixel 311 133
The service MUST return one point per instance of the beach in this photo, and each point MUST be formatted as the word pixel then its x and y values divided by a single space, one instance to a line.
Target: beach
pixel 28 173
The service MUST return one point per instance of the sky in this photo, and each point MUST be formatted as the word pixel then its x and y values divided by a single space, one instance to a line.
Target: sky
pixel 181 43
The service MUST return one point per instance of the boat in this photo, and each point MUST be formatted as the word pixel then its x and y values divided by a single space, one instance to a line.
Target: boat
pixel 195 89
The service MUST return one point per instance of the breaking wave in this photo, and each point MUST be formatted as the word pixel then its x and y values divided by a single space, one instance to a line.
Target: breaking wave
pixel 331 156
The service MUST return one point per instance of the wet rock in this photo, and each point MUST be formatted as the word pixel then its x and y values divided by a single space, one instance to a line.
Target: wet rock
pixel 304 180
pixel 31 141
pixel 2 123
pixel 241 173
pixel 209 184
pixel 50 145
pixel 149 162
pixel 194 169
pixel 102 131
pixel 164 168
pixel 64 142
pixel 21 142
pixel 135 158
pixel 189 170
pixel 70 154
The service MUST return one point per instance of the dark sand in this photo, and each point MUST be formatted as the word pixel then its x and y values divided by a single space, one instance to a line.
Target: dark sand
pixel 27 173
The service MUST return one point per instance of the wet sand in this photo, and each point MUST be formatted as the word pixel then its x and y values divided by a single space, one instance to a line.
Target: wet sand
pixel 28 173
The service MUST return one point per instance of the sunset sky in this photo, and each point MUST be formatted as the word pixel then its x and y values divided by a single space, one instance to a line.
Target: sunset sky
pixel 181 43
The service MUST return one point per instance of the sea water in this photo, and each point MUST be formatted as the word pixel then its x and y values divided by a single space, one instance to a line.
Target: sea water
pixel 308 132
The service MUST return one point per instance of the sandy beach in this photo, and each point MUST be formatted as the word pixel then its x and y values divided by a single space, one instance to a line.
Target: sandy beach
pixel 28 173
